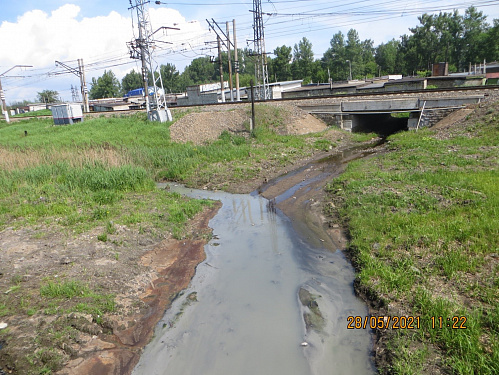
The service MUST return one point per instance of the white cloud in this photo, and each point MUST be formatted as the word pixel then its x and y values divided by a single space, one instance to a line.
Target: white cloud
pixel 38 38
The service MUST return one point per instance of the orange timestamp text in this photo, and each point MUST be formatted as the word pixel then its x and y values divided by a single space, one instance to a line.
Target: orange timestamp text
pixel 383 322
pixel 405 322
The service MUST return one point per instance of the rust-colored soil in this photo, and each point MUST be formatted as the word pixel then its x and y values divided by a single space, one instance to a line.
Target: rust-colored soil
pixel 173 264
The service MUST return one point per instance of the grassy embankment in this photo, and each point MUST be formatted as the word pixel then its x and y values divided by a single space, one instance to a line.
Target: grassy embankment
pixel 424 227
pixel 40 112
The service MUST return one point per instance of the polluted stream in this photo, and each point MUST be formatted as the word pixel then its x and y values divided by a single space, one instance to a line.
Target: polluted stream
pixel 274 293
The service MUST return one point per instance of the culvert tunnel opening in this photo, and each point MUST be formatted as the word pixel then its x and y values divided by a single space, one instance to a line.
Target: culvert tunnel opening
pixel 383 124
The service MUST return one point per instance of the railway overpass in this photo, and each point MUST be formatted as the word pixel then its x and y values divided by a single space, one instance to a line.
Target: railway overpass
pixel 351 114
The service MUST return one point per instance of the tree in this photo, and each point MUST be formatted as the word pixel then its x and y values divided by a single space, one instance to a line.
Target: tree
pixel 368 67
pixel 334 58
pixel 303 59
pixel 492 42
pixel 246 62
pixel 425 41
pixel 318 73
pixel 447 37
pixel 131 81
pixel 47 96
pixel 408 55
pixel 20 103
pixel 200 70
pixel 106 86
pixel 449 30
pixel 360 54
pixel 280 69
pixel 386 57
pixel 171 78
pixel 474 36
pixel 353 53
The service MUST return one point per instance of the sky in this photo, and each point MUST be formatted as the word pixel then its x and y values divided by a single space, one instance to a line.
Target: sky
pixel 38 33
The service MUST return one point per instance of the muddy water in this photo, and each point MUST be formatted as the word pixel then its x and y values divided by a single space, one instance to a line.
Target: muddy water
pixel 272 297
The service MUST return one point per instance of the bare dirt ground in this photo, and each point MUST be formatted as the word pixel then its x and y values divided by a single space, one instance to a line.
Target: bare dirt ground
pixel 143 271
pixel 199 127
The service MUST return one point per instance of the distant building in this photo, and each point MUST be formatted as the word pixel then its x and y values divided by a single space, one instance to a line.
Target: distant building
pixel 115 105
pixel 323 89
pixel 492 70
pixel 194 96
pixel 440 69
pixel 278 88
pixel 37 107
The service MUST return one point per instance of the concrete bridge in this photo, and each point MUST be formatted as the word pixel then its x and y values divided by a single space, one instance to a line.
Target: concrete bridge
pixel 371 114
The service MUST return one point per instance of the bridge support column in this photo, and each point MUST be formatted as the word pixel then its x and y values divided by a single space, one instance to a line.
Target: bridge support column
pixel 412 122
pixel 428 118
pixel 349 122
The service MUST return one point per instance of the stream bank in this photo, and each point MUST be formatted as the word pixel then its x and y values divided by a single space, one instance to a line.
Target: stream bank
pixel 114 349
pixel 274 277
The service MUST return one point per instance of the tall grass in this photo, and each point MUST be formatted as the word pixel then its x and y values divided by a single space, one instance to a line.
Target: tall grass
pixel 117 141
pixel 77 174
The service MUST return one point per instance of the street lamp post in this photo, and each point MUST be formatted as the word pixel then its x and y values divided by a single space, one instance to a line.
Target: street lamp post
pixel 350 65
pixel 2 95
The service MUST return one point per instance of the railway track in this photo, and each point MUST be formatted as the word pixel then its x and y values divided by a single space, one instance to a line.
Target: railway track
pixel 486 91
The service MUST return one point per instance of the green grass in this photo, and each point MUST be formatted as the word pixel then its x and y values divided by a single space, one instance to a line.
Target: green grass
pixel 400 114
pixel 83 175
pixel 119 141
pixel 67 289
pixel 82 298
pixel 41 112
pixel 424 227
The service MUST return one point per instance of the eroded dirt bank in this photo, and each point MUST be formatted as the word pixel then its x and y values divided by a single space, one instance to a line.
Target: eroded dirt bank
pixel 172 264
pixel 145 278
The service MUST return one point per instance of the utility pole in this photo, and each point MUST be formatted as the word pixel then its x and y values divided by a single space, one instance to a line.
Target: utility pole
pixel 142 48
pixel 220 42
pixel 139 49
pixel 2 95
pixel 84 91
pixel 236 60
pixel 261 73
pixel 252 125
pixel 230 63
pixel 350 66
pixel 221 68
pixel 4 105
pixel 80 72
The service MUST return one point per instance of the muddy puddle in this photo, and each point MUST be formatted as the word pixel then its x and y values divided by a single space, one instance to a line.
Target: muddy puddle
pixel 273 295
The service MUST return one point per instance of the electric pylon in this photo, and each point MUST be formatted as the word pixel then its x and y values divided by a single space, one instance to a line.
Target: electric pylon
pixel 261 73
pixel 142 48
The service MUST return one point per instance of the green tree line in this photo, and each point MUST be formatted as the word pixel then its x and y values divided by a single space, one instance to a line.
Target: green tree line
pixel 449 37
